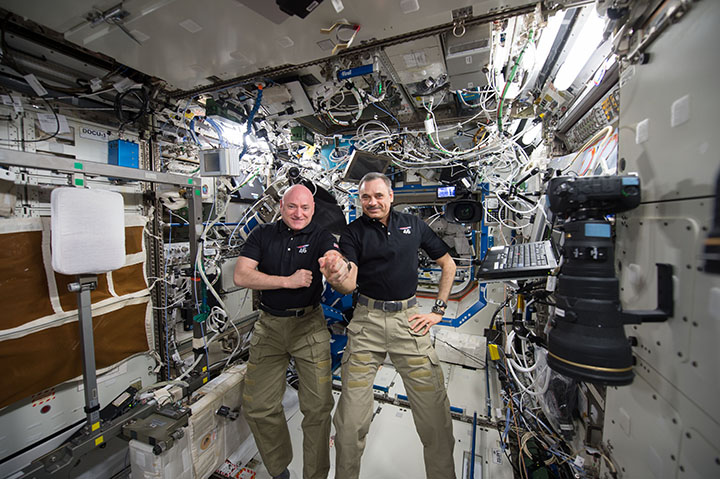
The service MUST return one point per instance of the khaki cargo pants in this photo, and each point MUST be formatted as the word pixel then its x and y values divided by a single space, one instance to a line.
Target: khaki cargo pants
pixel 371 334
pixel 275 339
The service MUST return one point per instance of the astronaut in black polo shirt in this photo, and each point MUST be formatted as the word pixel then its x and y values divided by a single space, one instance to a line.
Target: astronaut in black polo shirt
pixel 382 248
pixel 281 261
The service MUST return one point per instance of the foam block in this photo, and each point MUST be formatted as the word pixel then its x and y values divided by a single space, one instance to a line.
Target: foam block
pixel 88 231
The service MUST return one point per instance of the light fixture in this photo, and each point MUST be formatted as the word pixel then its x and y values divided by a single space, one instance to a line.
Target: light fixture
pixel 547 38
pixel 232 132
pixel 585 45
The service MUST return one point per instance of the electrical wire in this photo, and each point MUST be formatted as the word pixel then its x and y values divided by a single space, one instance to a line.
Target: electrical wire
pixel 605 132
pixel 57 128
pixel 510 79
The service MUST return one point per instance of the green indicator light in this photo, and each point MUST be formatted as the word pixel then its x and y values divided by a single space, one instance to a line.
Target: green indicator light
pixel 78 166
pixel 197 192
pixel 190 181
pixel 79 182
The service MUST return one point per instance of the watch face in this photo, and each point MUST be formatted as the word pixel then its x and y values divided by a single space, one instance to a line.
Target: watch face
pixel 440 303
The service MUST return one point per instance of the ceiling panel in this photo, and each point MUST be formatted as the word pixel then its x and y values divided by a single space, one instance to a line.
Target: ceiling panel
pixel 186 41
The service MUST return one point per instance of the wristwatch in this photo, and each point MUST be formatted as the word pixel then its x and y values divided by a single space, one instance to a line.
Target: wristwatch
pixel 439 307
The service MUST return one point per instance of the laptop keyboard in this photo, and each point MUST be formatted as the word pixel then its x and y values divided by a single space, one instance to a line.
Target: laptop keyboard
pixel 523 256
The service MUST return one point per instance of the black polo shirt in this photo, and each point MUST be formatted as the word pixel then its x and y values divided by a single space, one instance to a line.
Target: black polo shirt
pixel 281 251
pixel 387 257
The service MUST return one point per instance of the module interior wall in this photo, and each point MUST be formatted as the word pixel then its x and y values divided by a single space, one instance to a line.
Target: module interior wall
pixel 681 161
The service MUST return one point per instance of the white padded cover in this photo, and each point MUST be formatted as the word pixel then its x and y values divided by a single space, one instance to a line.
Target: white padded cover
pixel 88 231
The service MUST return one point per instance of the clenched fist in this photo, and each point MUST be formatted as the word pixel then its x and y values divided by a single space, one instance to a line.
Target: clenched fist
pixel 299 279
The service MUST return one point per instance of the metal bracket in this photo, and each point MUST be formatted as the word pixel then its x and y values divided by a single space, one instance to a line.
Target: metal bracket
pixel 666 300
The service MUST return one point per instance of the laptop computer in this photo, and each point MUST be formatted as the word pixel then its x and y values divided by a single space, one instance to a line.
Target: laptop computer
pixel 519 261
pixel 534 259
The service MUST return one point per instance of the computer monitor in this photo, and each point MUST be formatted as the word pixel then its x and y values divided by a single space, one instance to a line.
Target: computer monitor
pixel 445 192
pixel 543 221
pixel 362 163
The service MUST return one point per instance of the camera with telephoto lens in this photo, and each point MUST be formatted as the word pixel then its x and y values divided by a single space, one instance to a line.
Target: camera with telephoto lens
pixel 463 211
pixel 587 341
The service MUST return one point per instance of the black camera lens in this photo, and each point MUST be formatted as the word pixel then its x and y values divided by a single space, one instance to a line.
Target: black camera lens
pixel 588 340
pixel 465 212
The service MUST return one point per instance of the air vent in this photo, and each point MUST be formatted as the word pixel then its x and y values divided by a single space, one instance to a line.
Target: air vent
pixel 471 47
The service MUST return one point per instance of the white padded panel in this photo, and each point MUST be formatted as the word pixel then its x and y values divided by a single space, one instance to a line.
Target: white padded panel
pixel 88 231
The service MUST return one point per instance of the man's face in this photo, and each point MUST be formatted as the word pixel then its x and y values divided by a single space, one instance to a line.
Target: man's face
pixel 376 199
pixel 297 207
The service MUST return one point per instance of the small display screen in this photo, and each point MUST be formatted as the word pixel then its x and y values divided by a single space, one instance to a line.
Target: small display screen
pixel 446 192
pixel 212 161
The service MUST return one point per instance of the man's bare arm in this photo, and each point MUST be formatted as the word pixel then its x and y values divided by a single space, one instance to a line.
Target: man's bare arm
pixel 422 323
pixel 247 276
pixel 447 276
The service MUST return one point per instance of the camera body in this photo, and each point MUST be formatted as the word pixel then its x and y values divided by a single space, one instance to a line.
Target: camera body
pixel 587 341
pixel 576 198
pixel 463 211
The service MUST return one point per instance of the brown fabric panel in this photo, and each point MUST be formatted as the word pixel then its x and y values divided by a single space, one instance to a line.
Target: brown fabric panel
pixel 120 334
pixel 129 279
pixel 23 284
pixel 68 300
pixel 133 239
pixel 47 358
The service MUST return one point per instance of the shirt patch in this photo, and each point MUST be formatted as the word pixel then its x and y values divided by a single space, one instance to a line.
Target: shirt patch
pixel 406 230
pixel 336 245
pixel 303 248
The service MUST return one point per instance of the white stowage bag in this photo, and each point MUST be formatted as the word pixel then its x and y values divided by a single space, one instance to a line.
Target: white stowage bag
pixel 88 231
pixel 174 463
pixel 209 438
pixel 212 437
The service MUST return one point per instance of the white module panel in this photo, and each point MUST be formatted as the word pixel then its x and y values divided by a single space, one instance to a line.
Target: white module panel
pixel 666 423
pixel 674 101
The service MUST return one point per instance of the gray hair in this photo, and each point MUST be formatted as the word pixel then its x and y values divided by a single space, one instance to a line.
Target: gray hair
pixel 373 175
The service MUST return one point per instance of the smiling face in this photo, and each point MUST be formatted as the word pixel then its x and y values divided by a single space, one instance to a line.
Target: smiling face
pixel 297 207
pixel 376 199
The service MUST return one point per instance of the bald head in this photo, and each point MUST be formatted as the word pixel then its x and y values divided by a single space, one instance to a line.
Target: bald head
pixel 297 207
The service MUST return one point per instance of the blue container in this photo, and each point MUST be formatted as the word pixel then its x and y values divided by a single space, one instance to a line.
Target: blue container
pixel 124 153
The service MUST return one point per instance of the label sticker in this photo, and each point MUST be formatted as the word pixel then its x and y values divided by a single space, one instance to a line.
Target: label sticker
pixel 49 123
pixel 551 283
pixel 93 133
pixel 35 84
